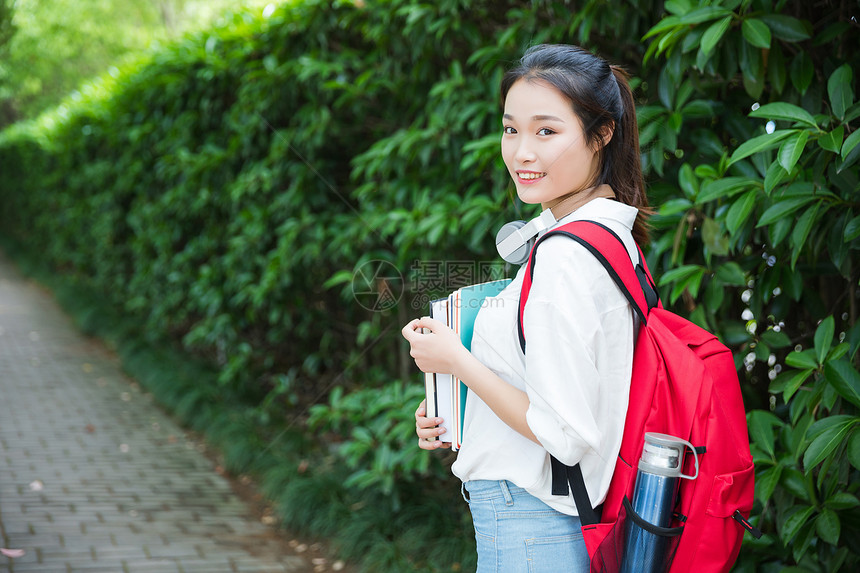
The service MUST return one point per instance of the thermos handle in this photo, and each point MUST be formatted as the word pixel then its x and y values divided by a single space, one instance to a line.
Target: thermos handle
pixel 695 459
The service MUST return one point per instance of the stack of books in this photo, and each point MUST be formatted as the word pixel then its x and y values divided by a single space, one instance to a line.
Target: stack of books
pixel 446 394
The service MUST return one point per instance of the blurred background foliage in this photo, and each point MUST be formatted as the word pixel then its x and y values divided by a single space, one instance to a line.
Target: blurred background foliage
pixel 49 47
pixel 229 196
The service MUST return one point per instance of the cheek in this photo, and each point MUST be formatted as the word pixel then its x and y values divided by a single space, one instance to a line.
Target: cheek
pixel 507 154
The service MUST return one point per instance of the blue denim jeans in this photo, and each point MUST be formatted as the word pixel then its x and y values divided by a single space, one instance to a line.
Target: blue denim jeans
pixel 516 532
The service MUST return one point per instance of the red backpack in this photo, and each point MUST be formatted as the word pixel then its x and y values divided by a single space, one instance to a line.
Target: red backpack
pixel 684 384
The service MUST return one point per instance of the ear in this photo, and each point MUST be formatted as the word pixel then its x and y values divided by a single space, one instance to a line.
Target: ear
pixel 607 132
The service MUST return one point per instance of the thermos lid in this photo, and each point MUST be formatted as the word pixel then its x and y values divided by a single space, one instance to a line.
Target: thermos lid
pixel 663 455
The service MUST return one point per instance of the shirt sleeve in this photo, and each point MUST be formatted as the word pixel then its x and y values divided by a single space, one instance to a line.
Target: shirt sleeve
pixel 579 335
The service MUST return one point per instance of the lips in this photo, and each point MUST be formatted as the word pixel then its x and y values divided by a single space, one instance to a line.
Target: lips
pixel 528 177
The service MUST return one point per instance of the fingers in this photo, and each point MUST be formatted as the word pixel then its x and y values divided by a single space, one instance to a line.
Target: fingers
pixel 429 323
pixel 424 423
pixel 411 330
pixel 429 433
pixel 428 437
pixel 433 445
pixel 414 327
pixel 428 430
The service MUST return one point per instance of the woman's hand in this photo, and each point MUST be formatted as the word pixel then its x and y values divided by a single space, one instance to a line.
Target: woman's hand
pixel 428 430
pixel 440 350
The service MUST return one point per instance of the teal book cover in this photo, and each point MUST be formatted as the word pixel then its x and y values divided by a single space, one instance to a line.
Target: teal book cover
pixel 464 305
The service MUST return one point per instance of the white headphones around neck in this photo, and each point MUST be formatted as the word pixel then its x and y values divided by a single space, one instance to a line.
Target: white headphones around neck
pixel 515 239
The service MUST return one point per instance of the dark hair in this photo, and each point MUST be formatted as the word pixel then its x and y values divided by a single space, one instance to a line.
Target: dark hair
pixel 602 99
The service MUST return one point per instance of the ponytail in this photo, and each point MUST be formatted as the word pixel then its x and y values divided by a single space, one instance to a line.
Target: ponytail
pixel 623 166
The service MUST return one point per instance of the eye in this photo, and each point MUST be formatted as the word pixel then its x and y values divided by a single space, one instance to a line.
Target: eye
pixel 545 131
pixel 509 130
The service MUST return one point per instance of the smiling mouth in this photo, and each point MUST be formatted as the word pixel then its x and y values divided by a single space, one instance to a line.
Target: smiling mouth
pixel 531 176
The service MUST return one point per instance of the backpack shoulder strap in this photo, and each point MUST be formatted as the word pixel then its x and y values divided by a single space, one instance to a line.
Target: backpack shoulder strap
pixel 634 280
pixel 638 288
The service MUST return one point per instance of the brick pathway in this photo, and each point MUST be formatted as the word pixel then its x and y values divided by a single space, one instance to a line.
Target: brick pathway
pixel 94 477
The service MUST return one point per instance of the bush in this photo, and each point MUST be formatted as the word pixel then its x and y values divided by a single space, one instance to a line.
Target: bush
pixel 232 192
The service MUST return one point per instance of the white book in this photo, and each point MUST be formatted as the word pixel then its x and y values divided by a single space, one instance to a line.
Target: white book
pixel 439 387
pixel 446 395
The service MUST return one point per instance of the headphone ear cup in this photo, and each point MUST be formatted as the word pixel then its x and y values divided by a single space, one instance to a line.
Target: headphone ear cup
pixel 521 255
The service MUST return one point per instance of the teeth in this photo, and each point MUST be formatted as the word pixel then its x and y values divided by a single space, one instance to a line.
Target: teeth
pixel 531 175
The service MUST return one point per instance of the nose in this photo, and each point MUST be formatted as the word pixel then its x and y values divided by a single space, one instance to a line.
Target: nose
pixel 524 153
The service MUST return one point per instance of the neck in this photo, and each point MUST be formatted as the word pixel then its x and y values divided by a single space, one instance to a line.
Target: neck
pixel 564 206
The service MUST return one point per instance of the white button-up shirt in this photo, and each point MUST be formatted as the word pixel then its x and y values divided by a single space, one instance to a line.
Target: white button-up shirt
pixel 579 331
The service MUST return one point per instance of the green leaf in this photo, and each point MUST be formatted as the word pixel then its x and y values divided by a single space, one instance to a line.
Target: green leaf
pixel 783 208
pixel 776 69
pixel 801 71
pixel 779 230
pixel 663 25
pixel 688 182
pixel 826 442
pixel 827 526
pixel 760 143
pixel 844 379
pixel 803 540
pixel 698 109
pixel 852 113
pixel 761 424
pixel 666 88
pixel 824 338
pixel 786 27
pixel 801 231
pixel 752 70
pixel 725 187
pixel 775 339
pixel 832 140
pixel 794 523
pixel 775 174
pixel 715 293
pixel 679 273
pixel 830 422
pixel 676 7
pixel 849 159
pixel 791 150
pixel 794 483
pixel 838 351
pixel 842 499
pixel 731 273
pixel 715 240
pixel 756 33
pixel 786 112
pixel 714 33
pixel 854 449
pixel 850 143
pixel 766 482
pixel 802 360
pixel 675 206
pixel 704 14
pixel 795 383
pixel 684 92
pixel 740 211
pixel 852 230
pixel 839 90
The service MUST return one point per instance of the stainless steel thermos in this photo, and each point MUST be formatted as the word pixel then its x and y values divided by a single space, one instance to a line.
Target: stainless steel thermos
pixel 657 481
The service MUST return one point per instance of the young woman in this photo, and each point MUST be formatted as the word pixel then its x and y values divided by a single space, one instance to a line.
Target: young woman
pixel 570 143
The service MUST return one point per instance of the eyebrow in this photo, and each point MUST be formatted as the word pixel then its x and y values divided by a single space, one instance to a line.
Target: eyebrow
pixel 538 118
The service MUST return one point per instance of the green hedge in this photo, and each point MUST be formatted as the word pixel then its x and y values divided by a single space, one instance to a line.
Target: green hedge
pixel 226 194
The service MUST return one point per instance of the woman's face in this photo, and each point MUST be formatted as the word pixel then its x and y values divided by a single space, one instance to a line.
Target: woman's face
pixel 544 146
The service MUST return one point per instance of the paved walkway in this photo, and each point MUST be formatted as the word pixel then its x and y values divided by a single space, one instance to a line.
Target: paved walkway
pixel 94 477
